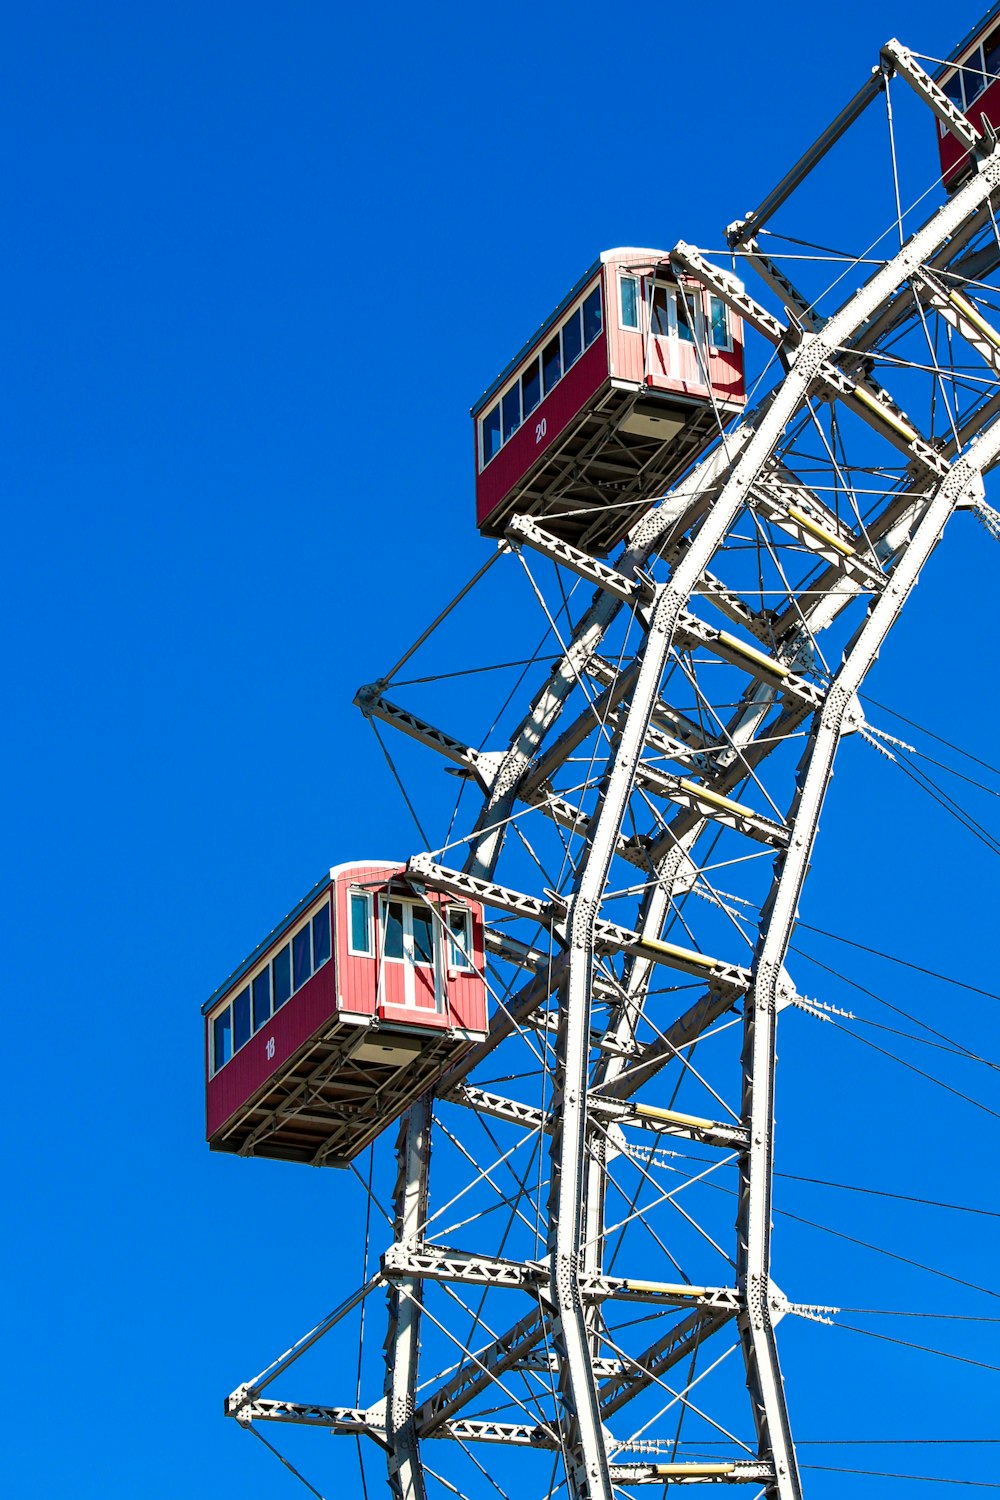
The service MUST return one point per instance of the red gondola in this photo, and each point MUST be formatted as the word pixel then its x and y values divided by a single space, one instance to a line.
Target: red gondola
pixel 350 1009
pixel 609 402
pixel 971 79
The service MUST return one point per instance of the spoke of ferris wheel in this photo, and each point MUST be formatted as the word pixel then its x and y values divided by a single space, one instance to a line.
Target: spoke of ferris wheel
pixel 690 499
pixel 773 554
pixel 678 1397
pixel 725 739
pixel 639 1067
pixel 871 403
pixel 482 1175
pixel 476 1373
pixel 841 478
pixel 535 1387
pixel 665 1196
pixel 567 741
pixel 514 1399
pixel 640 1370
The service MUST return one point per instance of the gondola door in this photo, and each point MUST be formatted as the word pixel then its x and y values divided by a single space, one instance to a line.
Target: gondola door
pixel 690 350
pixel 410 953
pixel 676 340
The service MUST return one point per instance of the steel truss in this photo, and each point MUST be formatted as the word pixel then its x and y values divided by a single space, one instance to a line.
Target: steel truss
pixel 687 731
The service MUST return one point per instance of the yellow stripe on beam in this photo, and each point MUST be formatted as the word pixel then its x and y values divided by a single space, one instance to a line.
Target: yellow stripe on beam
pixel 716 798
pixel 672 1117
pixel 884 415
pixel 820 532
pixel 694 1471
pixel 978 322
pixel 684 955
pixel 766 663
pixel 667 1288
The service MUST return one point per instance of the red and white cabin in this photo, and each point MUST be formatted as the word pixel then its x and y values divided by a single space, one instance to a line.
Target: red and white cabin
pixel 609 402
pixel 971 79
pixel 349 1010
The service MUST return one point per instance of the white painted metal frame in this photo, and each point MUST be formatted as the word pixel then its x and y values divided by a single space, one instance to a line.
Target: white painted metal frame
pixel 663 577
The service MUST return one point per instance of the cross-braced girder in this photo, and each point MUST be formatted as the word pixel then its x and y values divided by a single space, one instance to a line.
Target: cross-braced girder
pixel 642 837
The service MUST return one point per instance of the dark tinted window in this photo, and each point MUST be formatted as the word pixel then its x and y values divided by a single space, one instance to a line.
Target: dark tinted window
pixel 630 304
pixel 241 1019
pixel 321 937
pixel 423 935
pixel 531 387
pixel 685 312
pixel 660 312
pixel 551 364
pixel 222 1039
pixel 261 999
pixel 572 341
pixel 720 323
pixel 511 411
pixel 974 80
pixel 993 57
pixel 301 963
pixel 491 434
pixel 282 969
pixel 360 937
pixel 592 316
pixel 394 930
pixel 953 88
pixel 460 939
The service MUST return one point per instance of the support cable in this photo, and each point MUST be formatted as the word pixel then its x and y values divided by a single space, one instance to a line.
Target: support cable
pixel 402 788
pixel 930 1077
pixel 863 1244
pixel 904 963
pixel 982 1484
pixel 850 1187
pixel 881 1442
pixel 361 1331
pixel 886 1338
pixel 444 614
pixel 905 1260
pixel 949 805
pixel 500 666
pixel 967 1051
pixel 902 1312
pixel 867 698
pixel 249 1427
pixel 941 765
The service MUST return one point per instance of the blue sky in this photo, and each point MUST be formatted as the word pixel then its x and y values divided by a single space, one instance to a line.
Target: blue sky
pixel 258 260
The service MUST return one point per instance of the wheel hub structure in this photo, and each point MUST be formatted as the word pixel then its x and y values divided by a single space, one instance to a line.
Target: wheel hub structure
pixel 569 1307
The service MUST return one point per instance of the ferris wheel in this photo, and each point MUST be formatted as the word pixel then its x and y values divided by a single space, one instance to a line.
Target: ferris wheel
pixel 575 991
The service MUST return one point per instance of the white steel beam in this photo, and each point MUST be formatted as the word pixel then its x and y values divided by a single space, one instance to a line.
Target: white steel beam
pixel 479 1371
pixel 902 61
pixel 745 229
pixel 737 1472
pixel 688 499
pixel 402 1345
pixel 680 1343
pixel 777 923
pixel 588 1477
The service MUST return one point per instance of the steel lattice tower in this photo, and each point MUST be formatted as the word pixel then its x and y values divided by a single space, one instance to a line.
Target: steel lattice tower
pixel 642 842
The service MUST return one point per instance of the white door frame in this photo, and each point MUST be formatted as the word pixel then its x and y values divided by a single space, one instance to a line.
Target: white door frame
pixel 409 960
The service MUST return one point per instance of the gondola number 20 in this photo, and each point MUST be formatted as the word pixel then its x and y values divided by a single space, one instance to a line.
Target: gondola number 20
pixel 541 428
